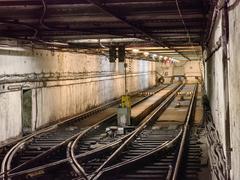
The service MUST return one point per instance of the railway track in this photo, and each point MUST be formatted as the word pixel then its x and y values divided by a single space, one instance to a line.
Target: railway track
pixel 162 166
pixel 149 139
pixel 87 154
pixel 94 166
pixel 154 154
pixel 161 162
pixel 36 149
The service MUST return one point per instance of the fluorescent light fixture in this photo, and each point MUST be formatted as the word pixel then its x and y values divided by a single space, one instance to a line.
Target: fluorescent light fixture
pixel 146 54
pixel 154 55
pixel 106 40
pixel 135 50
pixel 165 58
pixel 160 56
pixel 56 43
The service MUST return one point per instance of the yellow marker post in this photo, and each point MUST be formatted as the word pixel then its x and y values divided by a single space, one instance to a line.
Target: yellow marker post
pixel 124 112
pixel 126 101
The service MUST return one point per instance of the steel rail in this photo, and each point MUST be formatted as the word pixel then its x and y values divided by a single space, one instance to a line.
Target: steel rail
pixel 11 153
pixel 68 120
pixel 180 137
pixel 5 163
pixel 74 159
pixel 113 145
pixel 5 167
pixel 146 121
pixel 183 140
pixel 18 146
pixel 153 106
pixel 74 163
pixel 129 163
pixel 80 157
pixel 70 150
pixel 11 142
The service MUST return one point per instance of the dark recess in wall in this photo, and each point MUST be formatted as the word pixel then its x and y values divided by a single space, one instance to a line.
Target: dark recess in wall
pixel 26 111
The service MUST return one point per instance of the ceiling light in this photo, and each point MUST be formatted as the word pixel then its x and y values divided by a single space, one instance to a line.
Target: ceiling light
pixel 106 40
pixel 146 54
pixel 160 57
pixel 135 50
pixel 165 58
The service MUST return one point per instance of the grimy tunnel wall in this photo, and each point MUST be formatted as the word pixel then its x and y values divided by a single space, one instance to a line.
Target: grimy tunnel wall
pixel 190 69
pixel 222 82
pixel 58 85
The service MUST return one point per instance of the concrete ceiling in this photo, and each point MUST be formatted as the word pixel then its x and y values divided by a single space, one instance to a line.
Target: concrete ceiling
pixel 178 26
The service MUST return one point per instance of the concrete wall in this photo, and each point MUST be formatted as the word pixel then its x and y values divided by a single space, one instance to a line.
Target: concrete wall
pixel 214 83
pixel 189 69
pixel 63 84
pixel 234 86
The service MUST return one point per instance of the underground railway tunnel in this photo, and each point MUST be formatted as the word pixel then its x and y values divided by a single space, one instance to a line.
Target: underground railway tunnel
pixel 119 89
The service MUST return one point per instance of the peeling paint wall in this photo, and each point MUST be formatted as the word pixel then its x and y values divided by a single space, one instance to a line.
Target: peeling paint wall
pixel 214 84
pixel 63 84
pixel 214 81
pixel 234 86
pixel 10 115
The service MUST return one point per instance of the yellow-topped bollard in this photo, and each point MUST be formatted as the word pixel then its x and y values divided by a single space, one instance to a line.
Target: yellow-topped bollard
pixel 126 101
pixel 124 111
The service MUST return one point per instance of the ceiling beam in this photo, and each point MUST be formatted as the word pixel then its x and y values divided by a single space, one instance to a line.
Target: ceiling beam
pixel 135 27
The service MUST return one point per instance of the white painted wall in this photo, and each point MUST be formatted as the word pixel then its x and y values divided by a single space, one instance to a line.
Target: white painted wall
pixel 215 87
pixel 63 84
pixel 234 87
pixel 10 115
